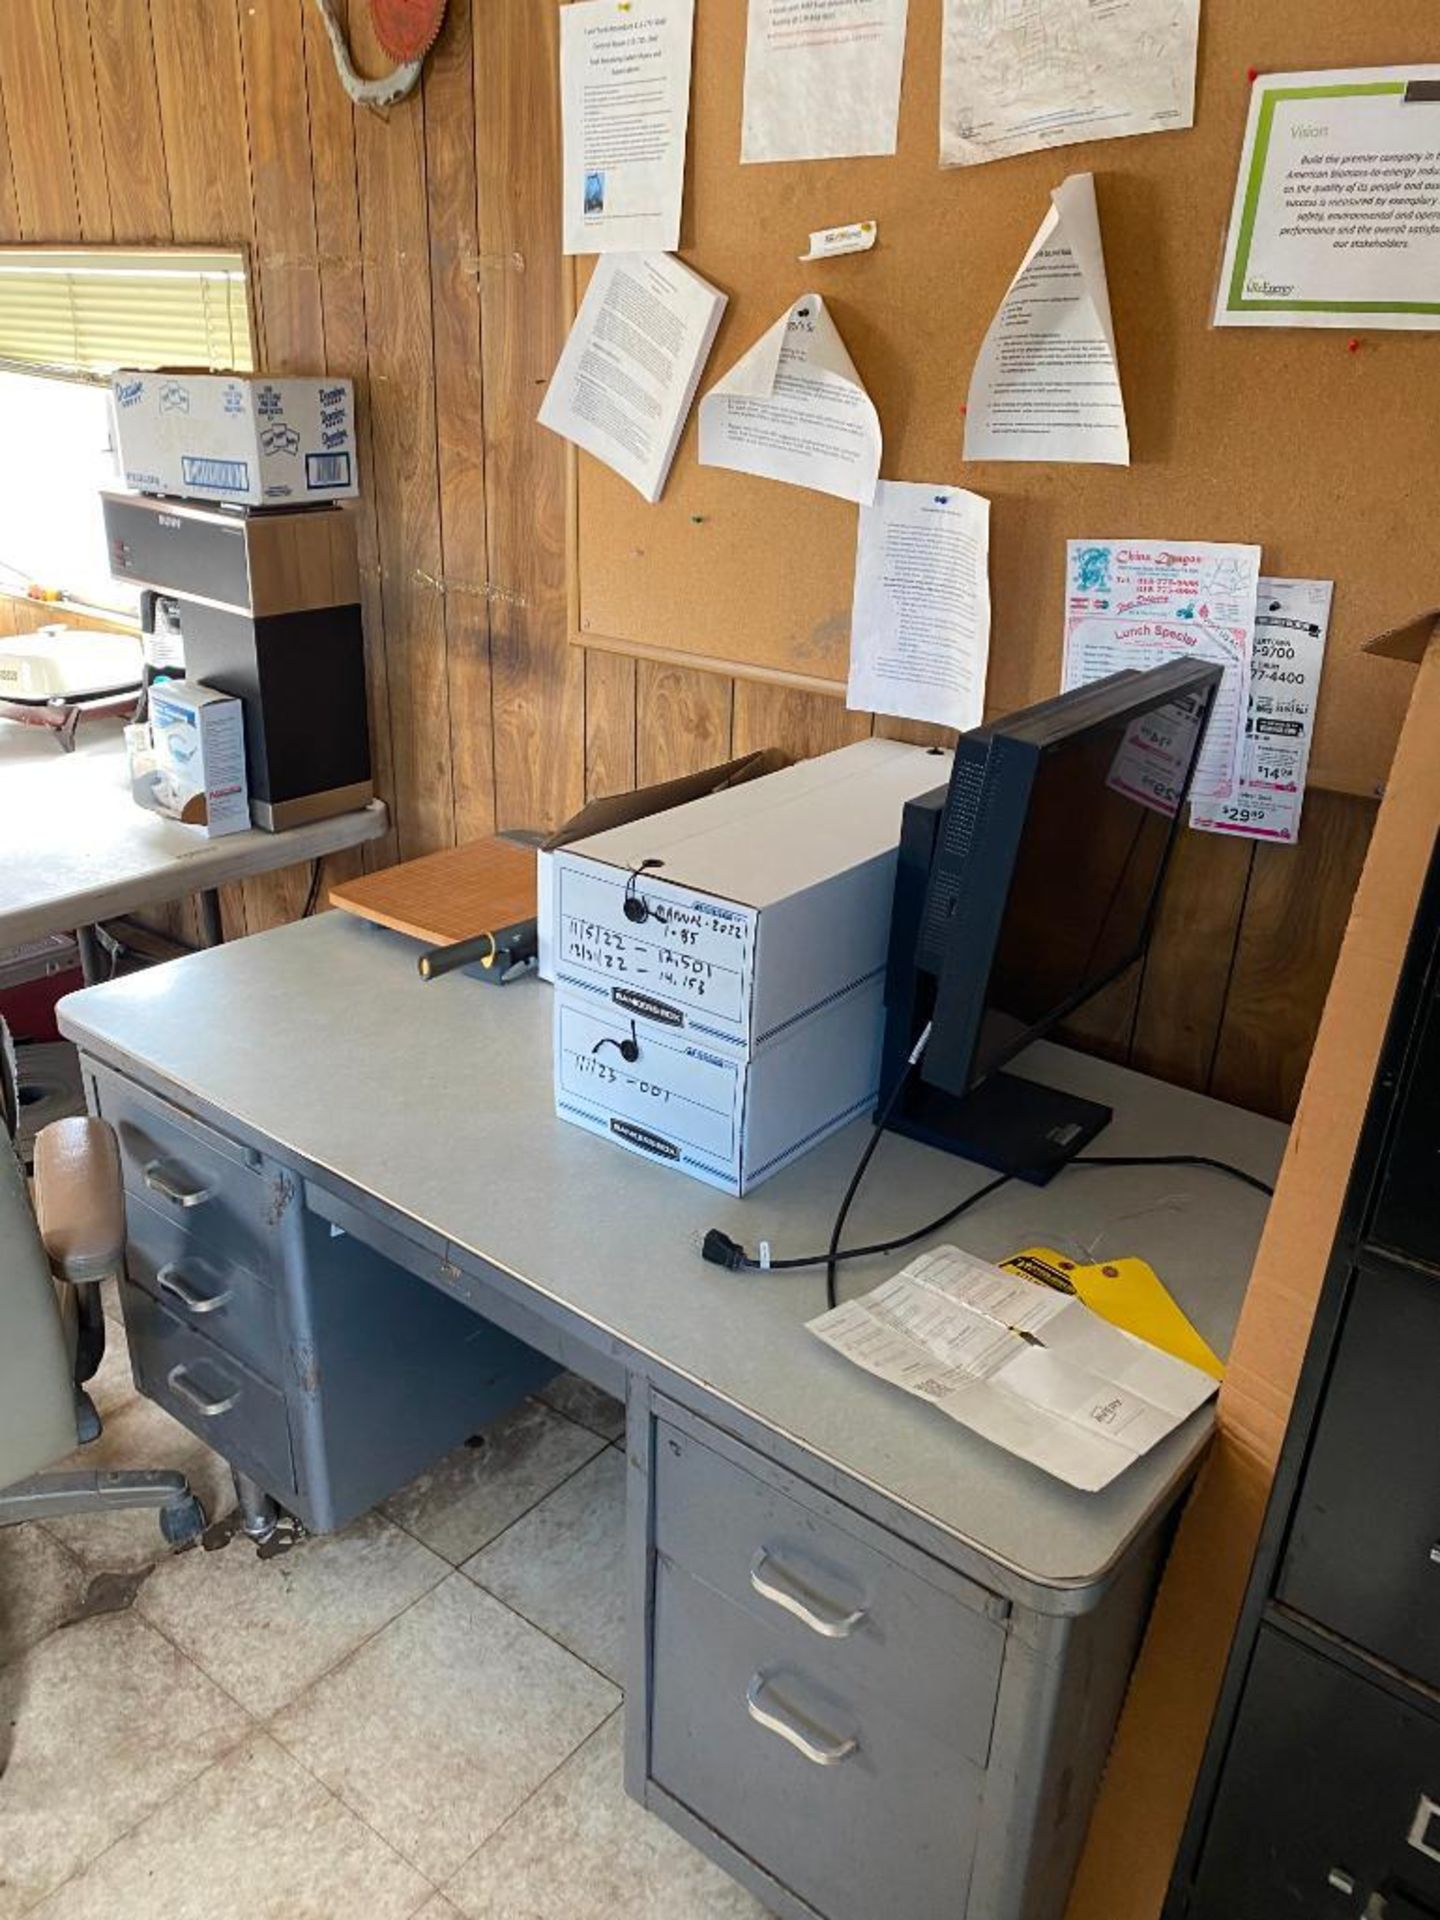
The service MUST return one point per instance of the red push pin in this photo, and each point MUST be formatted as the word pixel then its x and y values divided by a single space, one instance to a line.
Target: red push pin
pixel 1252 74
pixel 1353 346
pixel 963 407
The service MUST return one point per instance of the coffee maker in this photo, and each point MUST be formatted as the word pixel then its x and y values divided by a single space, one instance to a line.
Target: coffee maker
pixel 267 605
pixel 161 641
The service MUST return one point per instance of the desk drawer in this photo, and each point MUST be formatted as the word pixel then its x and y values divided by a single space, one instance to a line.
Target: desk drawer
pixel 873 1820
pixel 822 1581
pixel 208 1391
pixel 214 1186
pixel 1363 1556
pixel 227 1303
pixel 1330 1797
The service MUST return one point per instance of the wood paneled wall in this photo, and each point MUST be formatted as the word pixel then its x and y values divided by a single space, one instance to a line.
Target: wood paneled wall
pixel 417 251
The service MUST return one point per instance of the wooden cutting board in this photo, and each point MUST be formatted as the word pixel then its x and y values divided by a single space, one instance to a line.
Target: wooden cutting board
pixel 444 897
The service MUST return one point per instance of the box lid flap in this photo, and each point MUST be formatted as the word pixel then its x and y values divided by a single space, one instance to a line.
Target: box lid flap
pixel 618 809
pixel 1409 640
pixel 762 842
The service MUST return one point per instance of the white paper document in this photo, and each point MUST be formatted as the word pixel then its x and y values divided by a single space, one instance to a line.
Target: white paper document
pixel 1046 384
pixel 1019 75
pixel 1033 1371
pixel 1292 618
pixel 920 625
pixel 624 383
pixel 1136 603
pixel 793 408
pixel 822 78
pixel 1336 220
pixel 625 106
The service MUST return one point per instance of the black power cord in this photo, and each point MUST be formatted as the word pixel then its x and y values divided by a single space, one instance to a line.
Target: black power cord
pixel 1173 1160
pixel 882 1120
pixel 312 898
pixel 723 1251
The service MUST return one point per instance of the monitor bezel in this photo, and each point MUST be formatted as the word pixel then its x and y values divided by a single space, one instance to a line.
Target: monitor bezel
pixel 1013 749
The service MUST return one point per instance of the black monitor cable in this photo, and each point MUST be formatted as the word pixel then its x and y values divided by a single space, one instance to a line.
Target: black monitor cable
pixel 1172 1160
pixel 882 1120
pixel 722 1251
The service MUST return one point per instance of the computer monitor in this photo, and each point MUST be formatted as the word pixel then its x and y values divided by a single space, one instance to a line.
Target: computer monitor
pixel 1021 891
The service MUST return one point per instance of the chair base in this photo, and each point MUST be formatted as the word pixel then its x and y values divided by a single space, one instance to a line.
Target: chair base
pixel 53 1496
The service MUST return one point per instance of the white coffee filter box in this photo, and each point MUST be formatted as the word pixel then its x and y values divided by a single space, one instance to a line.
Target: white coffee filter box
pixel 727 919
pixel 711 1112
pixel 241 437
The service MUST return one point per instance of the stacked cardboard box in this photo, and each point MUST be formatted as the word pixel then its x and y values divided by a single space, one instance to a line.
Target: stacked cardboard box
pixel 720 968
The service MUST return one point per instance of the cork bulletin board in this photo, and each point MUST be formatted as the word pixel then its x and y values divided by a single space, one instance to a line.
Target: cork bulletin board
pixel 1322 447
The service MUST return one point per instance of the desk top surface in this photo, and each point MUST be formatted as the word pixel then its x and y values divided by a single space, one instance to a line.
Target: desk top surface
pixel 436 1099
pixel 75 848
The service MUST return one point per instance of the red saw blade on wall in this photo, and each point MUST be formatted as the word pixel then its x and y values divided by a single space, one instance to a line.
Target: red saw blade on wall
pixel 407 29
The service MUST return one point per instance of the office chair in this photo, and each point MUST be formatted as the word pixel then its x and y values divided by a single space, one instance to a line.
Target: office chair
pixel 52 1325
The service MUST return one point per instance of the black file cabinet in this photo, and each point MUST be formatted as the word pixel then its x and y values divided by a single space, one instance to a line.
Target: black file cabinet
pixel 1319 1795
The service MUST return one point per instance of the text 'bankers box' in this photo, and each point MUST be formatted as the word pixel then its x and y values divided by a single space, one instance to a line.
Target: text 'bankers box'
pixel 720 968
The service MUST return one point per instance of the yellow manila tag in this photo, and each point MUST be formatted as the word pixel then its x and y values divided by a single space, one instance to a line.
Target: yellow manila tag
pixel 1129 1294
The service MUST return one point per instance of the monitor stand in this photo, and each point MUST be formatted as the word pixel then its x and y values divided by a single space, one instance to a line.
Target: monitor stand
pixel 1016 1126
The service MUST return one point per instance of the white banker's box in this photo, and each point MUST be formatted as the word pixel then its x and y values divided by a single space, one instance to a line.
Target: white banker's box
pixel 719 969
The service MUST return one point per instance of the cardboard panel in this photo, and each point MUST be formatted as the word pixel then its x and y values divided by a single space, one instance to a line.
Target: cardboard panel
pixel 1138 1820
pixel 1321 454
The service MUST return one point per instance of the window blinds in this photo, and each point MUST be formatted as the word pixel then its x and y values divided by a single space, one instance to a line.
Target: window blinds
pixel 89 310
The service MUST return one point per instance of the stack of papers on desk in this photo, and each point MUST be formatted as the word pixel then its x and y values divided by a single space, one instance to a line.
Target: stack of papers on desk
pixel 1033 1371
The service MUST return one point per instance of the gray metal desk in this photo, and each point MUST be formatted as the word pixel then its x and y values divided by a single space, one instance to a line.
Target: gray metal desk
pixel 75 849
pixel 999 1610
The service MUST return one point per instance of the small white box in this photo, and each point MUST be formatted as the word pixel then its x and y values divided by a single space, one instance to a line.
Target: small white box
pixel 757 905
pixel 192 766
pixel 240 437
pixel 717 1115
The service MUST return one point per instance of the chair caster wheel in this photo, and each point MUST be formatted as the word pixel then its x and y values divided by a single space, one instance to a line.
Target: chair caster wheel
pixel 184 1523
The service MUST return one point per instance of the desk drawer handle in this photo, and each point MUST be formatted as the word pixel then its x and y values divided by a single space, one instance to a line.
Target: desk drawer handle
pixel 179 1379
pixel 818 1749
pixel 158 1181
pixel 169 1279
pixel 795 1597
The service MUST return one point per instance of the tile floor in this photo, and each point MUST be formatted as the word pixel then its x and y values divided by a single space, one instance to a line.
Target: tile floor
pixel 417 1717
